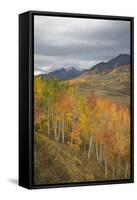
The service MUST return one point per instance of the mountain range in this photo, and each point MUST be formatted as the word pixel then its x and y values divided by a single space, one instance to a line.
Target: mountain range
pixel 122 59
pixel 64 74
pixel 70 73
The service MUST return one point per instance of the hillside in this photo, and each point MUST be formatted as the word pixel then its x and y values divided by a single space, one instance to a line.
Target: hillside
pixel 80 136
pixel 58 163
pixel 114 84
pixel 120 60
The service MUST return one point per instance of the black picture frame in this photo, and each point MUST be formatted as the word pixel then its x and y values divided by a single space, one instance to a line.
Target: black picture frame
pixel 26 68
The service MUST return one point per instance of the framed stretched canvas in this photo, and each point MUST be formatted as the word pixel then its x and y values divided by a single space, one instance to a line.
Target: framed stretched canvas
pixel 75 99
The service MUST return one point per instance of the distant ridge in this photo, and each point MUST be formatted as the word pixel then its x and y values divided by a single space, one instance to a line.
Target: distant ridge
pixel 122 59
pixel 70 73
pixel 63 74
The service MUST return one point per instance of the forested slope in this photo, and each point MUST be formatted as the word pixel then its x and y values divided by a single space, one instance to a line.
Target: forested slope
pixel 78 138
pixel 58 163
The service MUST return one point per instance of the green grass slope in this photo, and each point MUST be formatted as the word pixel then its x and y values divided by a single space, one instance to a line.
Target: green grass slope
pixel 58 163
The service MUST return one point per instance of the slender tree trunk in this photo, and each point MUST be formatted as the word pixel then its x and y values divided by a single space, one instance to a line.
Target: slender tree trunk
pixel 103 155
pixel 55 127
pixel 59 130
pixel 63 127
pixel 73 120
pixel 48 123
pixel 84 149
pixel 113 172
pixel 126 170
pixel 90 146
pixel 100 155
pixel 119 165
pixel 97 154
pixel 106 168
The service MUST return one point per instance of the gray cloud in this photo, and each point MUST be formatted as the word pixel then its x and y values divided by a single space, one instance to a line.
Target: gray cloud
pixel 81 43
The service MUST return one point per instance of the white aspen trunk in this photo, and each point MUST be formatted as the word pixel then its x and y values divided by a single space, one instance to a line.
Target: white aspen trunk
pixel 84 147
pixel 48 123
pixel 126 170
pixel 63 126
pixel 90 146
pixel 73 123
pixel 119 164
pixel 55 128
pixel 97 152
pixel 106 168
pixel 101 154
pixel 59 130
pixel 113 172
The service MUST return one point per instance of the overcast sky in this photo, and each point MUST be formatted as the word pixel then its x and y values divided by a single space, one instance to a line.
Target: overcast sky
pixel 61 42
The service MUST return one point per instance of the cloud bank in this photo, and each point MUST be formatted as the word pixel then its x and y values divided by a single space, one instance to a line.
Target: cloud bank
pixel 61 42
